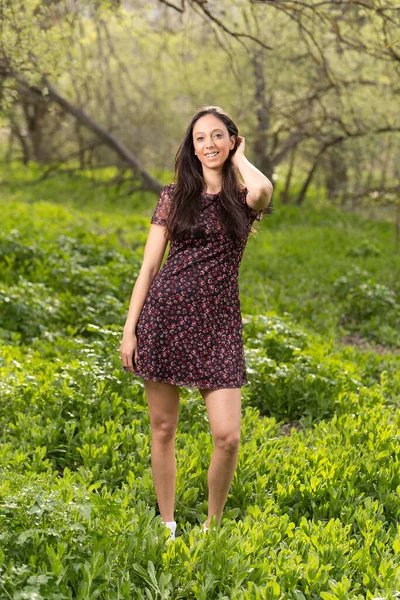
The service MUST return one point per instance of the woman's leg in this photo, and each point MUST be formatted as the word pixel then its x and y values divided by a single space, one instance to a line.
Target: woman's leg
pixel 163 403
pixel 224 413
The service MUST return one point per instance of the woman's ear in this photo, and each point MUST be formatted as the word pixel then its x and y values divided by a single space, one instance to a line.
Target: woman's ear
pixel 233 142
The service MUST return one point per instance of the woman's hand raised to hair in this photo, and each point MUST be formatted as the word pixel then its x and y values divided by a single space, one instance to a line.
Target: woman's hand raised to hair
pixel 241 143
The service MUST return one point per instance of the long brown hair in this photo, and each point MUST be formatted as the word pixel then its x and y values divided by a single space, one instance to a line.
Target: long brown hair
pixel 189 185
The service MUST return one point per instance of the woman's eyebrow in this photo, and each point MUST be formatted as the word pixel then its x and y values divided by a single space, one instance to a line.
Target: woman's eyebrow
pixel 217 129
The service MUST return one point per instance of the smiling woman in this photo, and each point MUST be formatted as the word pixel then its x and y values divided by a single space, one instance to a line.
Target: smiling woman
pixel 209 160
pixel 213 146
pixel 186 328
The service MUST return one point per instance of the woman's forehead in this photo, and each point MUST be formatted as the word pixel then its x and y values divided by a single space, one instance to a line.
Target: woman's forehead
pixel 208 123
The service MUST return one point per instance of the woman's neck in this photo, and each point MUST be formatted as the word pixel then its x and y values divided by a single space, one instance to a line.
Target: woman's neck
pixel 213 186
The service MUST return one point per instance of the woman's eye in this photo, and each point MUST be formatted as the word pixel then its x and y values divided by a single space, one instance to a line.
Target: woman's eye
pixel 200 138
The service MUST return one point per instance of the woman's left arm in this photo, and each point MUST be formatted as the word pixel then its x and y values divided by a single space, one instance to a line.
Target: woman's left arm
pixel 258 185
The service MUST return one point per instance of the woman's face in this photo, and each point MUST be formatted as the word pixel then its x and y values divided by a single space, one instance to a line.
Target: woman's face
pixel 212 142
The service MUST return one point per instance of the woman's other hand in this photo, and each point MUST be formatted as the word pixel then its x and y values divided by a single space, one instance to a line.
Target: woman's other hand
pixel 128 351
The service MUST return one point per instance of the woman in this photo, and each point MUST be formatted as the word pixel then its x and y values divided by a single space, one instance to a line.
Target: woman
pixel 184 325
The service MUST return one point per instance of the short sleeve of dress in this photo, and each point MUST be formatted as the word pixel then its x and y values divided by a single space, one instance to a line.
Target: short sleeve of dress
pixel 163 206
pixel 253 214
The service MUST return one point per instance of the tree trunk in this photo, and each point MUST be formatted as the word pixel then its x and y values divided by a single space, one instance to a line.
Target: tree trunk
pixel 336 178
pixel 303 191
pixel 35 112
pixel 285 194
pixel 26 155
pixel 261 160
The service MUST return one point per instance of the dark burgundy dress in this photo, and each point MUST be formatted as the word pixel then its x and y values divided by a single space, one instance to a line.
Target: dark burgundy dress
pixel 189 332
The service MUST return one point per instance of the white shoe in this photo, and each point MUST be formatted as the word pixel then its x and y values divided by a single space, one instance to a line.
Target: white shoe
pixel 205 528
pixel 172 528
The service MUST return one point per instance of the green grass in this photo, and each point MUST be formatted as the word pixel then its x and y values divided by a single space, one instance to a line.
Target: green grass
pixel 314 507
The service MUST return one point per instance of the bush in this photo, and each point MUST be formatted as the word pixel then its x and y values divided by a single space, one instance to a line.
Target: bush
pixel 291 375
pixel 369 307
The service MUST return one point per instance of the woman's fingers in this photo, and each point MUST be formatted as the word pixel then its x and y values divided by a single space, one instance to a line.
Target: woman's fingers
pixel 128 354
pixel 127 360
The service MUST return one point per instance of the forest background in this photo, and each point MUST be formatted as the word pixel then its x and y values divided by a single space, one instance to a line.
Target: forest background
pixel 94 99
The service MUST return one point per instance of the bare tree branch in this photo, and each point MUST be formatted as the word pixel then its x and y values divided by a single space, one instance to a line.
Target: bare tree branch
pixel 181 10
pixel 125 154
pixel 201 5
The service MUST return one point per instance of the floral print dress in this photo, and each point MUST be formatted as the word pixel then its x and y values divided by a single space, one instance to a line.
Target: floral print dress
pixel 189 332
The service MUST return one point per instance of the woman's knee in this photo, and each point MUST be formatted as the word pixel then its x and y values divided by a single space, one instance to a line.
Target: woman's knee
pixel 163 431
pixel 228 441
pixel 224 412
pixel 163 402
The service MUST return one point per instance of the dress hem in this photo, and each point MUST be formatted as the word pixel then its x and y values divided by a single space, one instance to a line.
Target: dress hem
pixel 192 384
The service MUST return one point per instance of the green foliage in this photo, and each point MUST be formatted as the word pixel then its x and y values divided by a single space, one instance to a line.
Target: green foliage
pixel 55 283
pixel 364 248
pixel 303 266
pixel 313 514
pixel 370 307
pixel 293 376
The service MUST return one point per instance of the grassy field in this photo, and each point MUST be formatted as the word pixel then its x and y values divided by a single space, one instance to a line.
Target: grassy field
pixel 314 508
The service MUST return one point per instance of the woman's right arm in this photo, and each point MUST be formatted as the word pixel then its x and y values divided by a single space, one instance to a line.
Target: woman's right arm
pixel 139 293
pixel 153 255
